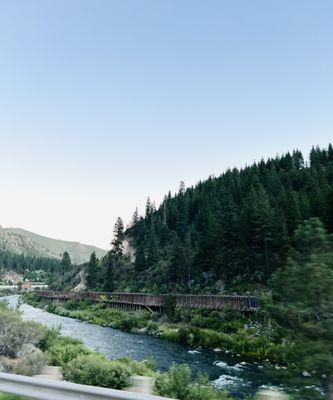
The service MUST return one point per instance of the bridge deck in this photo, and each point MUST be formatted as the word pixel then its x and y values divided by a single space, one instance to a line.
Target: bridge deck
pixel 215 302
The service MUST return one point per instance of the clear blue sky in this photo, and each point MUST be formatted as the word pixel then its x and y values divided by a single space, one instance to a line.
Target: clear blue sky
pixel 106 102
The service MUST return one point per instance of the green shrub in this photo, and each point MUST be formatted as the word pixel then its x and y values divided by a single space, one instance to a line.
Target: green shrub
pixel 62 353
pixel 64 340
pixel 143 368
pixel 50 306
pixel 50 336
pixel 152 327
pixel 201 390
pixel 4 304
pixel 176 383
pixel 126 324
pixel 97 371
pixel 77 304
pixel 170 334
pixel 30 363
pixel 15 333
pixel 170 306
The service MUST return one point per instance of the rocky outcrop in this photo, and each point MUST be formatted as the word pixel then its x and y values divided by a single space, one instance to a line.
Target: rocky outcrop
pixel 129 249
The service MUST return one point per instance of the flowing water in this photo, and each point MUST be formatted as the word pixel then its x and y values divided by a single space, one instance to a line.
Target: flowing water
pixel 241 377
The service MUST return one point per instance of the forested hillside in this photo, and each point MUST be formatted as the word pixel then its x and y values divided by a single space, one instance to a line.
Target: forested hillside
pixel 21 241
pixel 21 263
pixel 30 267
pixel 226 230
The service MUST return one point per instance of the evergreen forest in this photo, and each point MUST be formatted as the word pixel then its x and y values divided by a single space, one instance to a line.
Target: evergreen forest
pixel 227 233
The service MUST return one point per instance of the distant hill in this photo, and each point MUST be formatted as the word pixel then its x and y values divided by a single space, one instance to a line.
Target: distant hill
pixel 20 241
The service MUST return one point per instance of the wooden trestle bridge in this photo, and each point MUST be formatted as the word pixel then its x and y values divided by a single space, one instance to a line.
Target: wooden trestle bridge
pixel 135 301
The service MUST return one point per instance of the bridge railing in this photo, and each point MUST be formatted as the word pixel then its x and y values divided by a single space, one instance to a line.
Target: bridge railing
pixel 216 302
pixel 43 389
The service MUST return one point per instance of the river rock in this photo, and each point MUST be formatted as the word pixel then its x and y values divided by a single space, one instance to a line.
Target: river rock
pixel 306 374
pixel 143 331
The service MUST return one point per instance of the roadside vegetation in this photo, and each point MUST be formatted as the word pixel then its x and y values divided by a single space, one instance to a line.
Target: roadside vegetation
pixel 19 344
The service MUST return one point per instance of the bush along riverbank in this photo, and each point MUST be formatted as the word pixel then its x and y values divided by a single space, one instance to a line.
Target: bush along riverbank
pixel 226 330
pixel 26 347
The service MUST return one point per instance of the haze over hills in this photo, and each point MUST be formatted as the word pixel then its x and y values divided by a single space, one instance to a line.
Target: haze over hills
pixel 21 241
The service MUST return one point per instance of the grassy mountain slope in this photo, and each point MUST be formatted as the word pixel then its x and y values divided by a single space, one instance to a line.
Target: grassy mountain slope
pixel 18 240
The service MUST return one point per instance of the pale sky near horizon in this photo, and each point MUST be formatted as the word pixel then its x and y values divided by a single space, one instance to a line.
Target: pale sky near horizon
pixel 104 103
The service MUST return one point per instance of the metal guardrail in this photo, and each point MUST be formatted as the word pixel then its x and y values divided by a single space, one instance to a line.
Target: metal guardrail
pixel 43 389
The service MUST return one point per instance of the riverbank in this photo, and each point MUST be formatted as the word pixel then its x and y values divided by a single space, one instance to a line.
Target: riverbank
pixel 79 364
pixel 228 331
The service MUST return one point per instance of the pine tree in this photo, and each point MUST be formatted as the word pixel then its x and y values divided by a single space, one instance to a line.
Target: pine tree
pixel 117 242
pixel 329 212
pixel 178 269
pixel 330 152
pixel 152 250
pixel 92 272
pixel 110 261
pixel 189 258
pixel 298 159
pixel 182 188
pixel 315 157
pixel 208 259
pixel 229 244
pixel 149 208
pixel 181 220
pixel 135 217
pixel 259 221
pixel 140 258
pixel 66 261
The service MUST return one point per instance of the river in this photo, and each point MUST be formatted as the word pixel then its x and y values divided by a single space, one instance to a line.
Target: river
pixel 241 377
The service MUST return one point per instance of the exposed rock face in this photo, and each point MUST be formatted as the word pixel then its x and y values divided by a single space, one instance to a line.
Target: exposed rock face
pixel 82 283
pixel 129 249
